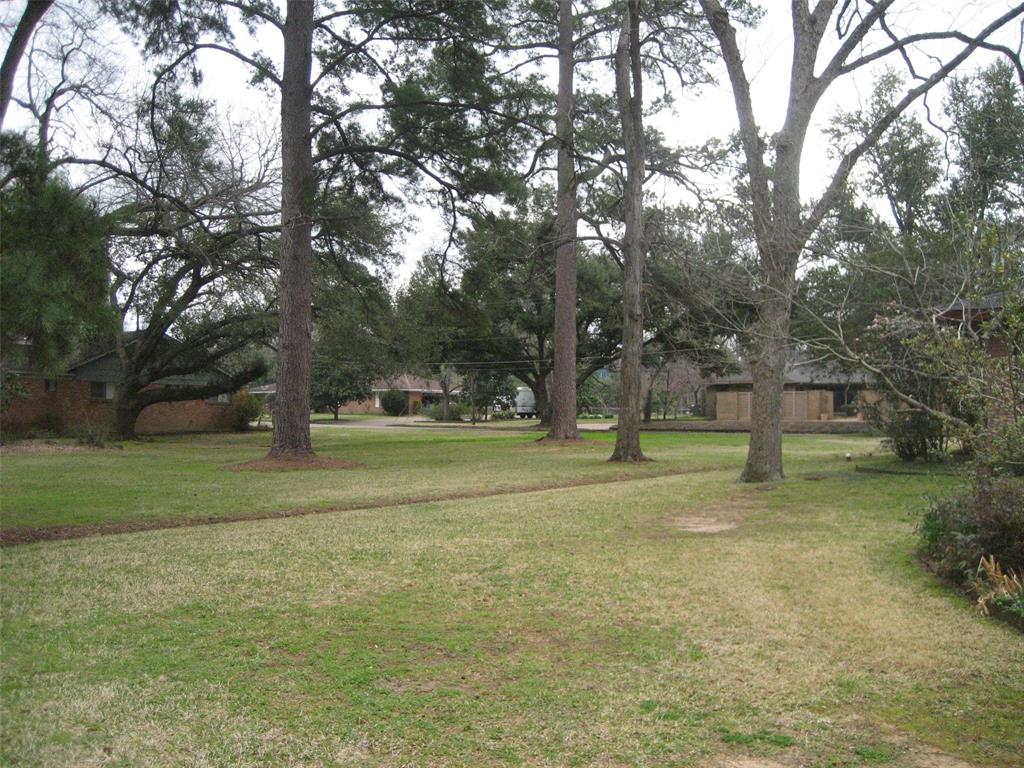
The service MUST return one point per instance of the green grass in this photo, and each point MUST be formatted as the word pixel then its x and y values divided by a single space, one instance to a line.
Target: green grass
pixel 343 417
pixel 182 477
pixel 562 627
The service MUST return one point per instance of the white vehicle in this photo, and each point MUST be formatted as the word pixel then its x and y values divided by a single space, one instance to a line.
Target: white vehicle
pixel 526 404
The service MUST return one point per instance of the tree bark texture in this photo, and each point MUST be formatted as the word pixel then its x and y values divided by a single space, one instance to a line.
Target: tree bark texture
pixel 540 399
pixel 767 351
pixel 445 380
pixel 563 391
pixel 629 90
pixel 294 358
pixel 126 413
pixel 767 356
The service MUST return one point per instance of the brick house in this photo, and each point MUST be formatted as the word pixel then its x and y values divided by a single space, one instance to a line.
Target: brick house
pixel 975 315
pixel 419 393
pixel 83 395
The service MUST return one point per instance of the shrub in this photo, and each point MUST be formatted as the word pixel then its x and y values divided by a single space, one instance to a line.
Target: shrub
pixel 92 434
pixel 456 411
pixel 245 408
pixel 1006 444
pixel 912 435
pixel 986 520
pixel 49 423
pixel 394 402
pixel 999 588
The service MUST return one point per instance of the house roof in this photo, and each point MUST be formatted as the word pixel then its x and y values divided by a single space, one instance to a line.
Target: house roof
pixel 98 361
pixel 994 301
pixel 802 371
pixel 406 382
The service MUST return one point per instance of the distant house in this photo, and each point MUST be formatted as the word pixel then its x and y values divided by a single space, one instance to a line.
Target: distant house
pixel 419 393
pixel 83 394
pixel 812 391
pixel 974 315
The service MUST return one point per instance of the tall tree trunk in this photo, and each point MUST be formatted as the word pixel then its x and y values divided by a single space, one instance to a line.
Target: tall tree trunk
pixel 294 357
pixel 649 404
pixel 126 414
pixel 767 371
pixel 779 256
pixel 563 394
pixel 540 399
pixel 446 393
pixel 668 394
pixel 30 17
pixel 628 88
pixel 768 351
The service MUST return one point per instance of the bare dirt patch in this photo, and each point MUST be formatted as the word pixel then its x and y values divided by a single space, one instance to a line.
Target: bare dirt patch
pixel 915 753
pixel 701 524
pixel 547 442
pixel 427 686
pixel 935 759
pixel 544 442
pixel 724 761
pixel 292 464
pixel 721 517
pixel 44 446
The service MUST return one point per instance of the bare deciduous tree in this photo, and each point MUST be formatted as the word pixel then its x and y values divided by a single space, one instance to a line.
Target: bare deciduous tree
pixel 782 225
pixel 30 17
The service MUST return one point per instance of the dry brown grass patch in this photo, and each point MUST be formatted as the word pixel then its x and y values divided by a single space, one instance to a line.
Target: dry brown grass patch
pixel 44 446
pixel 428 686
pixel 721 517
pixel 729 761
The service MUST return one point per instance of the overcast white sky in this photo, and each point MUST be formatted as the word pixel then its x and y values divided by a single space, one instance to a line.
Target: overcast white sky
pixel 698 115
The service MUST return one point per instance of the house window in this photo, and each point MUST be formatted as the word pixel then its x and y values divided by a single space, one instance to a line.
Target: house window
pixel 224 398
pixel 376 400
pixel 50 385
pixel 101 390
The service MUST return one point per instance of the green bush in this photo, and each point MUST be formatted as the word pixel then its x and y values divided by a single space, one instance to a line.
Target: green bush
pixel 394 402
pixel 987 520
pixel 1007 448
pixel 245 408
pixel 456 411
pixel 913 435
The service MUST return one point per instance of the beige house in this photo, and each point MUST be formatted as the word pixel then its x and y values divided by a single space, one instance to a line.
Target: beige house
pixel 813 391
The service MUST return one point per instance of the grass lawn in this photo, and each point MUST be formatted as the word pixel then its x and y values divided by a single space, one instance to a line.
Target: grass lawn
pixel 579 626
pixel 343 417
pixel 183 477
